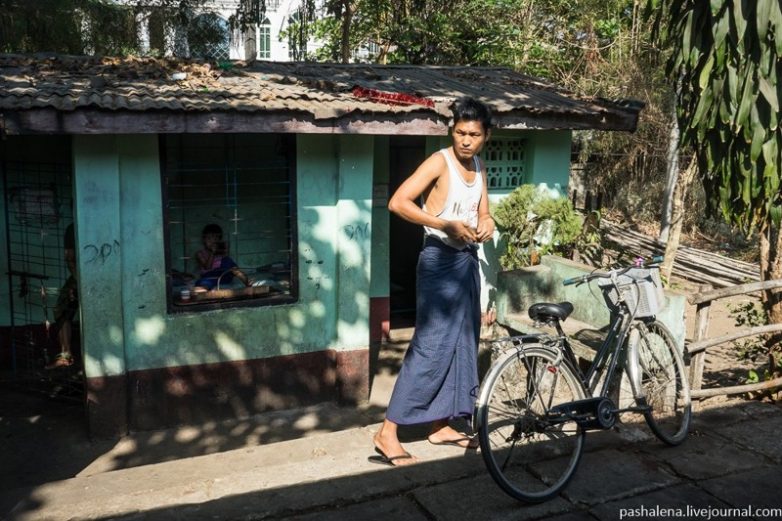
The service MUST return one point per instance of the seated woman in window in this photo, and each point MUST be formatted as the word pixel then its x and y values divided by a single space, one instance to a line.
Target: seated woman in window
pixel 216 268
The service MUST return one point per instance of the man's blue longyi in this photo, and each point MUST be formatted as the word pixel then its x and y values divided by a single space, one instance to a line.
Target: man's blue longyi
pixel 439 376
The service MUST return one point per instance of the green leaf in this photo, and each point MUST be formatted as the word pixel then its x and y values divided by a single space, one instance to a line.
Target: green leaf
pixel 722 26
pixel 775 18
pixel 704 103
pixel 769 92
pixel 775 214
pixel 770 151
pixel 757 142
pixel 733 80
pixel 739 21
pixel 705 72
pixel 747 98
pixel 687 34
pixel 762 17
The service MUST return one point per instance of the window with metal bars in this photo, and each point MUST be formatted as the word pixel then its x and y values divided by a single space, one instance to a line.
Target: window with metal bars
pixel 265 40
pixel 505 160
pixel 243 184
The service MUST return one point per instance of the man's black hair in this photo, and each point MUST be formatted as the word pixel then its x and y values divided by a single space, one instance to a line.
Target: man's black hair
pixel 212 228
pixel 470 109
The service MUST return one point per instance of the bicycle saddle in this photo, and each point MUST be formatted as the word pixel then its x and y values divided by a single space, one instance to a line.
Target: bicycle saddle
pixel 545 311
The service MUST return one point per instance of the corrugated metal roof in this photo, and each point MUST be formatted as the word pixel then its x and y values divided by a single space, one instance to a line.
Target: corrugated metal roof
pixel 319 91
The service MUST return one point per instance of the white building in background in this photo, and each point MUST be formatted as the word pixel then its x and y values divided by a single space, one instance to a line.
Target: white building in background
pixel 263 42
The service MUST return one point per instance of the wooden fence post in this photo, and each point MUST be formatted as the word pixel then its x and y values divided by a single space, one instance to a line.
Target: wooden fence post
pixel 701 331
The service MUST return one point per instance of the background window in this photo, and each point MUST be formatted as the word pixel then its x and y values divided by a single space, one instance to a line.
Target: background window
pixel 209 38
pixel 265 40
pixel 505 160
pixel 243 183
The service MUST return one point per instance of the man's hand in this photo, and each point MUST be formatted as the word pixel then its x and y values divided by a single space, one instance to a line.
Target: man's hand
pixel 485 229
pixel 459 231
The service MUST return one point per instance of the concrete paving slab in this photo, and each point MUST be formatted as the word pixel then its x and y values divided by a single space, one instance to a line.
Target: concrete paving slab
pixel 621 434
pixel 272 479
pixel 481 498
pixel 612 474
pixel 760 434
pixel 721 415
pixel 395 509
pixel 573 516
pixel 676 502
pixel 758 488
pixel 702 457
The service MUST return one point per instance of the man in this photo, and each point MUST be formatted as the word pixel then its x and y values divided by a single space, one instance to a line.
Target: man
pixel 439 376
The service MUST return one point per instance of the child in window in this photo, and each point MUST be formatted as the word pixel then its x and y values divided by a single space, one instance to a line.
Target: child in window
pixel 214 265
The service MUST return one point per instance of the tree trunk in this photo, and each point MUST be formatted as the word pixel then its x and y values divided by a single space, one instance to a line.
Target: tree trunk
pixel 347 19
pixel 771 268
pixel 672 174
pixel 679 195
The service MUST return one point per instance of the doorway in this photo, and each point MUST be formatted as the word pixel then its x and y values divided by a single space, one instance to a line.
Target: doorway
pixel 37 223
pixel 406 239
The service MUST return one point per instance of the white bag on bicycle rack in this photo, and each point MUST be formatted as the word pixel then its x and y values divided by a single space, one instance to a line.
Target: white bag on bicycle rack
pixel 641 289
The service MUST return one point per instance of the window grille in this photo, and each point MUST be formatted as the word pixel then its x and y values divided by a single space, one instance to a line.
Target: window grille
pixel 505 160
pixel 209 38
pixel 244 183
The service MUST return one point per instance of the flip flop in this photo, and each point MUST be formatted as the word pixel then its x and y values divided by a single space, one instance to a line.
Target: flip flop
pixel 382 459
pixel 458 442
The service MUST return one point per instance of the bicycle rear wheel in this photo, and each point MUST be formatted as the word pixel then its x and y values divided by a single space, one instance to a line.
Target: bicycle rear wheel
pixel 664 384
pixel 530 451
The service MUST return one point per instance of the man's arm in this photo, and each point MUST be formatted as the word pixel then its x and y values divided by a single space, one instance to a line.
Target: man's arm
pixel 403 202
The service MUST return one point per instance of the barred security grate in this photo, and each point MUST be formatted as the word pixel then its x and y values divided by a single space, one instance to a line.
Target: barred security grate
pixel 244 184
pixel 209 38
pixel 505 159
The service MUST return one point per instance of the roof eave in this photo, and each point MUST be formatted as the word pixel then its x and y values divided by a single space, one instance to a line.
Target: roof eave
pixel 91 120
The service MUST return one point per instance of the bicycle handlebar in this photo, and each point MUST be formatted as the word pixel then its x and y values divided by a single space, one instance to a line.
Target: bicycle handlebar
pixel 605 275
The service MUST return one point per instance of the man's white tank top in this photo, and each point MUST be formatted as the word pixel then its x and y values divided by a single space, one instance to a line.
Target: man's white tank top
pixel 461 203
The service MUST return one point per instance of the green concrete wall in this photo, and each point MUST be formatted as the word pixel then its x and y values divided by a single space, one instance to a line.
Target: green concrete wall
pixel 121 258
pixel 97 200
pixel 549 157
pixel 519 289
pixel 379 285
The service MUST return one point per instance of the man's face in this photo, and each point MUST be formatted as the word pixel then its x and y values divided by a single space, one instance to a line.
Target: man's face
pixel 468 138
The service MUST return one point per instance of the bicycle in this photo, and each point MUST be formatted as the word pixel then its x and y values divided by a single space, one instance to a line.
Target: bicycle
pixel 536 405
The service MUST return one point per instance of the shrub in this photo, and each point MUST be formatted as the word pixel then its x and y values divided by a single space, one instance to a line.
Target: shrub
pixel 532 223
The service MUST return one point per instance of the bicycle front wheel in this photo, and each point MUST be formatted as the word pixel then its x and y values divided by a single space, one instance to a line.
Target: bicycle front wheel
pixel 529 450
pixel 664 384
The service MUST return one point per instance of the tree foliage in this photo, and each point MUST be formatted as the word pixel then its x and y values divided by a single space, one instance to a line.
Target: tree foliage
pixel 727 53
pixel 105 27
pixel 59 26
pixel 543 37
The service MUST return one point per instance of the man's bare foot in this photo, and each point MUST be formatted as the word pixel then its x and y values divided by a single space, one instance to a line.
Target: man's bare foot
pixel 446 435
pixel 389 447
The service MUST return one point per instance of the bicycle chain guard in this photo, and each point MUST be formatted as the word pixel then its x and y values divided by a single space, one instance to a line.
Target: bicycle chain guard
pixel 589 413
